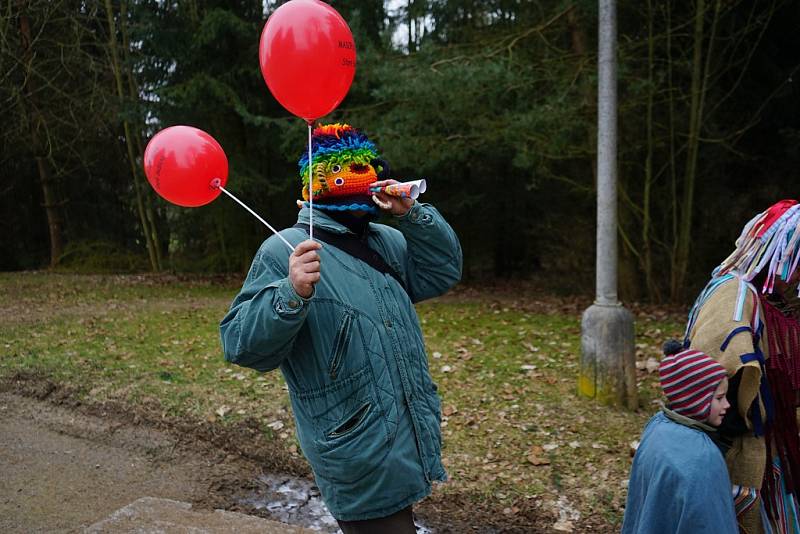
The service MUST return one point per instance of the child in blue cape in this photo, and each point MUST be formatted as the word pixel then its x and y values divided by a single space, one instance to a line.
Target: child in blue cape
pixel 679 482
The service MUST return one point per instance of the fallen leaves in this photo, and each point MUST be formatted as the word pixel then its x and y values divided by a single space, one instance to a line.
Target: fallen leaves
pixel 562 525
pixel 536 456
pixel 276 425
pixel 650 365
pixel 507 375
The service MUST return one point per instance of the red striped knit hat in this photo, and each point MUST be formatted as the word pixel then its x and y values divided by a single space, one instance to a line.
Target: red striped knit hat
pixel 689 379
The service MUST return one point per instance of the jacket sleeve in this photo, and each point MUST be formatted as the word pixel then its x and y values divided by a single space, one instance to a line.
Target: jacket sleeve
pixel 434 259
pixel 265 317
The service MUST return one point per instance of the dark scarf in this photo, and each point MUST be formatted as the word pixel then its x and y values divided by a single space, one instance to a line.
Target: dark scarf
pixel 356 224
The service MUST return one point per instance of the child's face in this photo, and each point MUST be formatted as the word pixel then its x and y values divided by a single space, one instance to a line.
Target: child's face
pixel 719 404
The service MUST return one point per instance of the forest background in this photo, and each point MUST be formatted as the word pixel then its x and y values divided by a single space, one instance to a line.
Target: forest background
pixel 493 102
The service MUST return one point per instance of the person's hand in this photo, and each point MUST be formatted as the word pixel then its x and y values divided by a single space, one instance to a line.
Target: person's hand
pixel 304 268
pixel 394 205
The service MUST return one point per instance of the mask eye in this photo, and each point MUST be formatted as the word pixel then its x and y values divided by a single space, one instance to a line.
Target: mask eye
pixel 339 181
pixel 336 168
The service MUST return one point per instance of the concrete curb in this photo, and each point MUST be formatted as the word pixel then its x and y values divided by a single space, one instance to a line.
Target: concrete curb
pixel 150 515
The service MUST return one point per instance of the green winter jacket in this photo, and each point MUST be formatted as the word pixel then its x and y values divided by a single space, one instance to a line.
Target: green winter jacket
pixel 366 408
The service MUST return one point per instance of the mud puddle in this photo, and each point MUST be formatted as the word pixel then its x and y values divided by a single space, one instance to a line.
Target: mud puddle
pixel 297 502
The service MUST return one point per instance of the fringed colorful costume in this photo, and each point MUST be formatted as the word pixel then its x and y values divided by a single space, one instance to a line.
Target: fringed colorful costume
pixel 344 163
pixel 745 320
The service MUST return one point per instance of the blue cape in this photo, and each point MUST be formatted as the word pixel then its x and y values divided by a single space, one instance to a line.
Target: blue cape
pixel 679 483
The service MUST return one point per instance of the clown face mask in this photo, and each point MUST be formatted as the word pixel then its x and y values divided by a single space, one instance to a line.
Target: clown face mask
pixel 344 163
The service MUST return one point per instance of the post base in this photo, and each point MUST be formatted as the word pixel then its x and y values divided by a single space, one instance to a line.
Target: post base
pixel 608 357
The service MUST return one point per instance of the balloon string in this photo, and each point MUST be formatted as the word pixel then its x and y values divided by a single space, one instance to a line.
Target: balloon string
pixel 310 190
pixel 257 217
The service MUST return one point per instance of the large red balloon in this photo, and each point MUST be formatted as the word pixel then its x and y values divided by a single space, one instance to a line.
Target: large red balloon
pixel 185 166
pixel 307 57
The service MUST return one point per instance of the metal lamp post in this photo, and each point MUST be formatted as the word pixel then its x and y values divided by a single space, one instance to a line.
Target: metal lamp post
pixel 608 360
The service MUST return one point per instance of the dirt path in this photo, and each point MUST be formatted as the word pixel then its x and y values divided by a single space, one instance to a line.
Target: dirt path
pixel 65 465
pixel 61 470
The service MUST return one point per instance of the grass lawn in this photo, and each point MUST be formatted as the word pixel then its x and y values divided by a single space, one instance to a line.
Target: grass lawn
pixel 506 366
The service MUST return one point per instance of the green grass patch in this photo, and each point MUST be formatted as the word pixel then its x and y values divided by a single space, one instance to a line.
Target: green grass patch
pixel 513 425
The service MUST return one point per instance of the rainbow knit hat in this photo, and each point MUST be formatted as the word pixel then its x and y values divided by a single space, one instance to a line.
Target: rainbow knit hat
pixel 689 379
pixel 344 163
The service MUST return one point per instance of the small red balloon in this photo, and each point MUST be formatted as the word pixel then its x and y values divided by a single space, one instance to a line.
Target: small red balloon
pixel 308 57
pixel 186 166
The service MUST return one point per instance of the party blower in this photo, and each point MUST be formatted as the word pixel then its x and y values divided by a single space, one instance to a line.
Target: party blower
pixel 403 190
pixel 188 167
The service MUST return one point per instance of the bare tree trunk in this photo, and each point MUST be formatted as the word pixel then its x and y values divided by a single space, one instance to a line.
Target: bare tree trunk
pixel 410 20
pixel 647 250
pixel 700 73
pixel 133 93
pixel 673 172
pixel 52 205
pixel 191 7
pixel 680 260
pixel 578 39
pixel 53 209
pixel 222 242
pixel 112 44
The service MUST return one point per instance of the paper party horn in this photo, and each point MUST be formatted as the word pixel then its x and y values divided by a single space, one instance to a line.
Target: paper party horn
pixel 402 190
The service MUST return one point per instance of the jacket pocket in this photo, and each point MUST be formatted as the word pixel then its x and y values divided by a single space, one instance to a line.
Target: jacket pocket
pixel 340 343
pixel 351 438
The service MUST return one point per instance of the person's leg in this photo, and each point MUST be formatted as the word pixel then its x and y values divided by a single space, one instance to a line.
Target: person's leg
pixel 401 522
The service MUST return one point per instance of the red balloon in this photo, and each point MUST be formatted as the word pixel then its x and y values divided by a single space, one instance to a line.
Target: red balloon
pixel 185 166
pixel 307 57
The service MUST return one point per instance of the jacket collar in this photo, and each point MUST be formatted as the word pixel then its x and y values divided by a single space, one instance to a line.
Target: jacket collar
pixel 321 220
pixel 687 421
pixel 722 442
